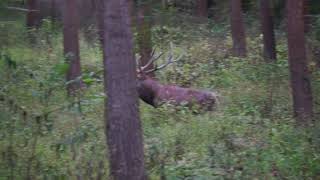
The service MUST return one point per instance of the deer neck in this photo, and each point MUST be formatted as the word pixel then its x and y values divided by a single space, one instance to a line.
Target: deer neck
pixel 148 89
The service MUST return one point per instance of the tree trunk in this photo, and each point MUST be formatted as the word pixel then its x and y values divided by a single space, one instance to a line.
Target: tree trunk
pixel 100 7
pixel 237 29
pixel 300 80
pixel 269 45
pixel 53 10
pixel 71 44
pixel 123 126
pixel 269 48
pixel 33 15
pixel 202 8
pixel 144 35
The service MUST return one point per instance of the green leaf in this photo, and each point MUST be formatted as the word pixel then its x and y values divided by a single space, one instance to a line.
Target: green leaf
pixel 61 68
pixel 88 80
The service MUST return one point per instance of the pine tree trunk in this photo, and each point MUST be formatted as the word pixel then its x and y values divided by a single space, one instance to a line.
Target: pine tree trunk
pixel 100 7
pixel 71 44
pixel 237 29
pixel 300 80
pixel 202 8
pixel 269 45
pixel 123 126
pixel 33 15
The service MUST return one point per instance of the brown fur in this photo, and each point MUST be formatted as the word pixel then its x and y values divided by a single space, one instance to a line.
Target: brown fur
pixel 154 93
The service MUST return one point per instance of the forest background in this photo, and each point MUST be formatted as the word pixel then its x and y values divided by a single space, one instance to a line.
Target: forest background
pixel 46 134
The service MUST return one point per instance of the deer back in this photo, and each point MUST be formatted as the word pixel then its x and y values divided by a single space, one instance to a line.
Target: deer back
pixel 154 93
pixel 186 96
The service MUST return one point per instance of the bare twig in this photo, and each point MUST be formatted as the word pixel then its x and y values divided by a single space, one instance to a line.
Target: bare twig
pixel 21 9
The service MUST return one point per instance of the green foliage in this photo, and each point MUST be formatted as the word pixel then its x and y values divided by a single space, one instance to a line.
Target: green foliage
pixel 316 27
pixel 228 147
pixel 42 129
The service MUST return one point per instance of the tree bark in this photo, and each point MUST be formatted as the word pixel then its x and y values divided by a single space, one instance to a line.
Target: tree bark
pixel 100 7
pixel 71 44
pixel 237 29
pixel 33 15
pixel 53 10
pixel 202 8
pixel 300 80
pixel 123 126
pixel 267 26
pixel 144 35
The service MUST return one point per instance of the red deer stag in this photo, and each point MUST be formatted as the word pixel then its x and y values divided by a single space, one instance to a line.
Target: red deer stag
pixel 154 93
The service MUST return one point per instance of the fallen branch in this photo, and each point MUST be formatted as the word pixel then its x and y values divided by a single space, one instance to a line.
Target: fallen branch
pixel 21 9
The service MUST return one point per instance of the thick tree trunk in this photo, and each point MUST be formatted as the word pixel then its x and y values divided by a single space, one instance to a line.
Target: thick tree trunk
pixel 269 45
pixel 144 35
pixel 237 29
pixel 71 44
pixel 300 81
pixel 123 129
pixel 33 15
pixel 202 8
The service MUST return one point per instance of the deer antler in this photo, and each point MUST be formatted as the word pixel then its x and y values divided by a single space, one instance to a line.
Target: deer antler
pixel 155 58
pixel 138 63
pixel 170 60
pixel 152 60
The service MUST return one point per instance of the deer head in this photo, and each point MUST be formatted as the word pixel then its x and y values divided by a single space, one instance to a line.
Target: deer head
pixel 142 70
pixel 147 86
